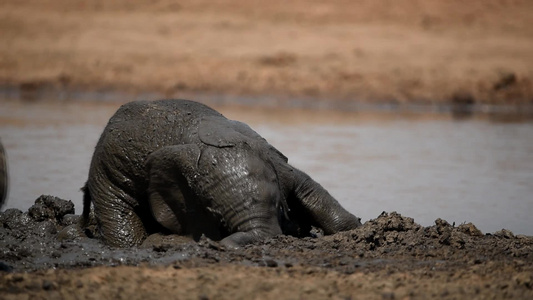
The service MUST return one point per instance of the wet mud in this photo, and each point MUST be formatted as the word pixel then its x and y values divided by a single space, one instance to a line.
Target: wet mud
pixel 389 257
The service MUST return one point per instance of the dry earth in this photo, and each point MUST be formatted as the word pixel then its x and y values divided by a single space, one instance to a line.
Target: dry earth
pixel 405 51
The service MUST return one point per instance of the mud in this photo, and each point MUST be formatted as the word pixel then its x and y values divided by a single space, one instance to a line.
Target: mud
pixel 389 257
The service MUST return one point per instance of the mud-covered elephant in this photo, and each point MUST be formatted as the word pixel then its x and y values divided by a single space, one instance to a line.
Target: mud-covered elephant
pixel 3 175
pixel 180 166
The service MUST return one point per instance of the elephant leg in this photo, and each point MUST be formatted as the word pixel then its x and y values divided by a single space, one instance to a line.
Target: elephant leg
pixel 118 222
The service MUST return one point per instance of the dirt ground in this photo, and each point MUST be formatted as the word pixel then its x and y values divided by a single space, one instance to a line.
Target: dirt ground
pixel 389 257
pixel 406 51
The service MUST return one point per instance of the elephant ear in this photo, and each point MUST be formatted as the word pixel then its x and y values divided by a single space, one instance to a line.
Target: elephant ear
pixel 221 132
pixel 218 132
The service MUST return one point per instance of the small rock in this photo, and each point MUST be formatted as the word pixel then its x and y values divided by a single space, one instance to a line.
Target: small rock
pixel 33 285
pixel 49 285
pixel 470 229
pixel 462 98
pixel 79 284
pixel 505 80
pixel 69 219
pixel 161 247
pixel 504 233
pixel 22 252
pixel 15 219
pixel 55 254
pixel 525 279
pixel 18 278
pixel 46 228
pixel 271 263
pixel 39 212
pixel 51 207
pixel 5 267
pixel 442 225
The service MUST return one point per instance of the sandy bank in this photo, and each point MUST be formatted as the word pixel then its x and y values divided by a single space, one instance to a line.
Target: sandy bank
pixel 404 51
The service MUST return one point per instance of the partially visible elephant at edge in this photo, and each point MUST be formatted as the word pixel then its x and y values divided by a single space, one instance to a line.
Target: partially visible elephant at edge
pixel 3 175
pixel 179 166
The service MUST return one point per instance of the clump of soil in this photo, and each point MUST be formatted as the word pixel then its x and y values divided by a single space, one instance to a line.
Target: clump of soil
pixel 389 256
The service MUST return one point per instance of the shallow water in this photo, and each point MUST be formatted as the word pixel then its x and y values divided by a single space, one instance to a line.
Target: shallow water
pixel 425 166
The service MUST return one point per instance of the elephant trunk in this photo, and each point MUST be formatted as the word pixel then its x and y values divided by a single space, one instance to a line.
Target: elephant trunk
pixel 324 210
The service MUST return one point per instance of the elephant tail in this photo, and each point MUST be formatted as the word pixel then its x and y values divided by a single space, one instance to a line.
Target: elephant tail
pixel 84 220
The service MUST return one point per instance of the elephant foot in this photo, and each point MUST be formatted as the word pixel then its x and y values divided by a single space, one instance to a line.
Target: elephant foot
pixel 239 239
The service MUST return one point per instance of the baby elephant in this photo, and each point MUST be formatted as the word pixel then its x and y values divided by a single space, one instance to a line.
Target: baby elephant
pixel 179 166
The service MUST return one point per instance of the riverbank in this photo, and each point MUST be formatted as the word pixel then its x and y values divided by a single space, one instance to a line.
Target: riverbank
pixel 408 51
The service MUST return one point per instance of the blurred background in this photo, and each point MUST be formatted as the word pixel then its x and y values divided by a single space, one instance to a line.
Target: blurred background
pixel 419 107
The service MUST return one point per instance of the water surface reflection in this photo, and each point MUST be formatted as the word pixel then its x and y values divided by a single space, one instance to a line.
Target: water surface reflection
pixel 425 166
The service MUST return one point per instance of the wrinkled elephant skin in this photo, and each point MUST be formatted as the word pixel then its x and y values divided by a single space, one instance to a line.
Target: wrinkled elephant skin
pixel 3 175
pixel 179 166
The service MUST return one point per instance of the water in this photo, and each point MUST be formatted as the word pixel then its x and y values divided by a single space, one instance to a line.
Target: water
pixel 425 166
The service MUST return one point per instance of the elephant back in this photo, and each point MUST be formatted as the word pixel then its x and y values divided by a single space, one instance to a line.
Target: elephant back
pixel 135 131
pixel 220 132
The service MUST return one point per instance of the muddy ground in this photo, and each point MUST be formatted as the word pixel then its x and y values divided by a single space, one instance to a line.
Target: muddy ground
pixel 404 51
pixel 389 257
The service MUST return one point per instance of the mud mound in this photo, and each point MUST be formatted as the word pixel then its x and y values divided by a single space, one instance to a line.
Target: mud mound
pixel 28 242
pixel 442 260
